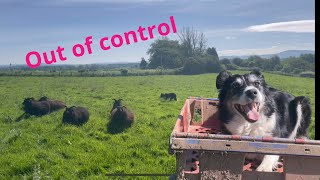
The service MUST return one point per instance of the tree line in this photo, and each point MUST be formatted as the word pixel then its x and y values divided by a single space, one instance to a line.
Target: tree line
pixel 304 65
pixel 191 55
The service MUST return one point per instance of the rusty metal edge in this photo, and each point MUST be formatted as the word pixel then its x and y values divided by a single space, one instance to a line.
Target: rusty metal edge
pixel 244 138
pixel 245 147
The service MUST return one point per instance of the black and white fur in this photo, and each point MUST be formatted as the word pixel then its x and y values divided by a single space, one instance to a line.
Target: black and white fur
pixel 277 113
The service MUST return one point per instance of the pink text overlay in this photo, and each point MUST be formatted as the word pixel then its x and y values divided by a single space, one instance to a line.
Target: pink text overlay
pixel 34 58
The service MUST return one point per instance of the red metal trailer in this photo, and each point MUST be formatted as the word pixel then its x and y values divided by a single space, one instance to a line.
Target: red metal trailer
pixel 202 152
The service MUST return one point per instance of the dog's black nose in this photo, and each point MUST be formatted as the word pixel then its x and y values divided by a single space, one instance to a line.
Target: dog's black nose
pixel 252 93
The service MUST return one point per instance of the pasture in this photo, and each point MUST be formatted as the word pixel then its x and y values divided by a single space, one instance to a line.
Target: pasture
pixel 44 147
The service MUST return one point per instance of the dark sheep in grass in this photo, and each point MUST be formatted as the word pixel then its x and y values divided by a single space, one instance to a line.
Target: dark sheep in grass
pixel 121 117
pixel 37 108
pixel 75 115
pixel 168 96
pixel 121 112
pixel 54 104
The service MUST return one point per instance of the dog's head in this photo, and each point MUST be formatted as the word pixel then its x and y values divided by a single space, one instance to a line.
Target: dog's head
pixel 117 103
pixel 44 98
pixel 242 95
pixel 70 110
pixel 28 101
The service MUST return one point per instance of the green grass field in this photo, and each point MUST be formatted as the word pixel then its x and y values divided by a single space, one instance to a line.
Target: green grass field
pixel 44 147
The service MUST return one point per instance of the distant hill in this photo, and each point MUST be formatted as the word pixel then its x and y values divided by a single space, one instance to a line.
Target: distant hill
pixel 282 55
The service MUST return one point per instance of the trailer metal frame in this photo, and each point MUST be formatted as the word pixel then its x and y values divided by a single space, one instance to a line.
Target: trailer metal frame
pixel 202 152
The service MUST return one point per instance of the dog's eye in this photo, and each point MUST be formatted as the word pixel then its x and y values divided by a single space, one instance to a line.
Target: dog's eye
pixel 257 83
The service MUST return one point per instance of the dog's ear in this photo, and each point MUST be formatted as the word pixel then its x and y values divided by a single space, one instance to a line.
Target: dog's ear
pixel 221 78
pixel 257 72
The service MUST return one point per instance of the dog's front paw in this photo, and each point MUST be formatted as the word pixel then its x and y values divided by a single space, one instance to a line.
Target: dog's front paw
pixel 265 167
pixel 268 163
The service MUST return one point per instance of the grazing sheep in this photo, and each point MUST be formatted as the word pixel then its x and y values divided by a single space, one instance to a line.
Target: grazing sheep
pixel 170 96
pixel 37 108
pixel 54 104
pixel 75 115
pixel 120 112
pixel 121 117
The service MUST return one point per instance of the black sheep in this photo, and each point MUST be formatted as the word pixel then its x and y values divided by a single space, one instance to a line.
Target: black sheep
pixel 54 104
pixel 37 108
pixel 121 113
pixel 121 117
pixel 75 115
pixel 170 96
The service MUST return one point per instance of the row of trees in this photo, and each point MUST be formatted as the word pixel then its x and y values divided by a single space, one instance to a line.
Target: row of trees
pixel 291 65
pixel 190 54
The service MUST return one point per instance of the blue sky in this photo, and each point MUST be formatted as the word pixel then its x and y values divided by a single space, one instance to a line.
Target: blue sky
pixel 233 27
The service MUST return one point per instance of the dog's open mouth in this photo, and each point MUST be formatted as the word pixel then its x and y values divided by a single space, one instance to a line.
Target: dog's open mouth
pixel 249 111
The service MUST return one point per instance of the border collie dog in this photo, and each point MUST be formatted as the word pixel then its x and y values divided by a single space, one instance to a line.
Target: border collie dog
pixel 249 107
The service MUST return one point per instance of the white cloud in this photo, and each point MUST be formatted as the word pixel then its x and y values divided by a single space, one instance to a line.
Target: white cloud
pixel 290 26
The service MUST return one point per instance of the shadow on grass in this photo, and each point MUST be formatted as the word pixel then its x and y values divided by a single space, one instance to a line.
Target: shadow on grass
pixel 22 117
pixel 25 116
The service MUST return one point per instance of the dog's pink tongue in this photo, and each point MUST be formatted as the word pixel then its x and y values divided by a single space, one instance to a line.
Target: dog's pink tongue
pixel 251 111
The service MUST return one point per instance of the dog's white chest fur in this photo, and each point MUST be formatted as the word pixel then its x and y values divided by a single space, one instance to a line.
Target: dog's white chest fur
pixel 263 127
